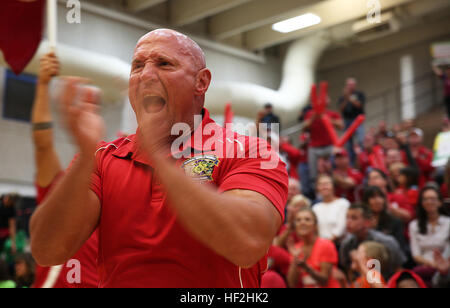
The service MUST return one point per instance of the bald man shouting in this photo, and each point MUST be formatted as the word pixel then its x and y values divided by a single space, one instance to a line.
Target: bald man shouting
pixel 205 218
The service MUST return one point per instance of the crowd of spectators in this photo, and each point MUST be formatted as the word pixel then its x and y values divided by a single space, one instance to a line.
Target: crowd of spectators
pixel 372 214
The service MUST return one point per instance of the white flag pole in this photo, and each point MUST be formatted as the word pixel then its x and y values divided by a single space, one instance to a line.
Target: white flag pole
pixel 52 25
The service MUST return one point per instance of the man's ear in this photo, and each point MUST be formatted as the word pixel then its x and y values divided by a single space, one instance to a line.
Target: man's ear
pixel 202 82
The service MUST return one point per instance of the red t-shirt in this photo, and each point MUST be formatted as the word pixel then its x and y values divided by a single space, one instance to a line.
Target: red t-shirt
pixel 373 159
pixel 401 201
pixel 323 251
pixel 319 134
pixel 56 276
pixel 349 194
pixel 411 194
pixel 142 243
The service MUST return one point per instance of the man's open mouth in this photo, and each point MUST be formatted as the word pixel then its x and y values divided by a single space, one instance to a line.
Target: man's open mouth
pixel 153 104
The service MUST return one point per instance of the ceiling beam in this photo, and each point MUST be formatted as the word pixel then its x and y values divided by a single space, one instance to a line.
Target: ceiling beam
pixel 253 15
pixel 141 5
pixel 410 36
pixel 184 12
pixel 332 12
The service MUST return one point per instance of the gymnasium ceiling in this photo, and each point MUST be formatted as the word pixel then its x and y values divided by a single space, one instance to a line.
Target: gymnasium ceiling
pixel 247 24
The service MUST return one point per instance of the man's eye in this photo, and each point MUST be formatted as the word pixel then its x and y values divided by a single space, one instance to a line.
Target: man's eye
pixel 164 63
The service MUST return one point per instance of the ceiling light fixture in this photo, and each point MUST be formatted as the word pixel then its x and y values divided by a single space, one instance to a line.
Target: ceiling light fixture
pixel 297 23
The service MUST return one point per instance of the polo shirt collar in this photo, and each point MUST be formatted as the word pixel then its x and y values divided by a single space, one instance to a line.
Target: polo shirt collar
pixel 195 142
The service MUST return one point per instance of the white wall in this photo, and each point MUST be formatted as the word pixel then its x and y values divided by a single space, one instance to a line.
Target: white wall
pixel 102 35
pixel 380 78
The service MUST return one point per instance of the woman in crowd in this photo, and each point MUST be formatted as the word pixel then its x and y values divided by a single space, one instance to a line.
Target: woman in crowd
pixel 398 204
pixel 370 276
pixel 383 221
pixel 429 233
pixel 24 268
pixel 407 184
pixel 332 211
pixel 287 231
pixel 313 258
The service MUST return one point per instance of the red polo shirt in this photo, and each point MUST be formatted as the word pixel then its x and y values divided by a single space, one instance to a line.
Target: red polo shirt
pixel 56 276
pixel 142 243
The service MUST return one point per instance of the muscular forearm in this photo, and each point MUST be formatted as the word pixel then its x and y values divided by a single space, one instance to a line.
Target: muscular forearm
pixel 236 228
pixel 41 113
pixel 66 219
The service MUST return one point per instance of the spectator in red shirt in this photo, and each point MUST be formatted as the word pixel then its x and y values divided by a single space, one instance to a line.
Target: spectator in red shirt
pixel 295 157
pixel 346 178
pixel 398 204
pixel 321 144
pixel 48 171
pixel 314 258
pixel 372 155
pixel 179 218
pixel 422 156
pixel 287 231
pixel 407 182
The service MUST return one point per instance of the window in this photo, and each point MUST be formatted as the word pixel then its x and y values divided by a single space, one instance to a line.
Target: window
pixel 18 96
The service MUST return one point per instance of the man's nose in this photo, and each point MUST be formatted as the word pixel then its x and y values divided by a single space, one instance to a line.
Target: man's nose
pixel 149 73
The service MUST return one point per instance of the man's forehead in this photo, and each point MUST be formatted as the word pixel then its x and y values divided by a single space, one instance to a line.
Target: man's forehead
pixel 170 43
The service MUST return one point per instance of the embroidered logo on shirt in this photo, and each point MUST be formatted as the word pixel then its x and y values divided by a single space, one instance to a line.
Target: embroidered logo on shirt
pixel 201 168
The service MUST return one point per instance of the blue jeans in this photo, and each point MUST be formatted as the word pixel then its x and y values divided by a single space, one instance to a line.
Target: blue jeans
pixel 359 134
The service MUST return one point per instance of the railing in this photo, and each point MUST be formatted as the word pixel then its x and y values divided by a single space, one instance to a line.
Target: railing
pixel 387 104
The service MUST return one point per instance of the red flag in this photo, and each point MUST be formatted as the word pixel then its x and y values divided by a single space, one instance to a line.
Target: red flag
pixel 228 114
pixel 351 130
pixel 21 25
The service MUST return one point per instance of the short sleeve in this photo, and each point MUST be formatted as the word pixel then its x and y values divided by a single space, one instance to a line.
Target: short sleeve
pixel 96 177
pixel 249 174
pixel 96 182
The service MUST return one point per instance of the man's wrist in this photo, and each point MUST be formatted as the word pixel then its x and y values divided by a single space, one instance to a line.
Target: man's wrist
pixel 43 83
